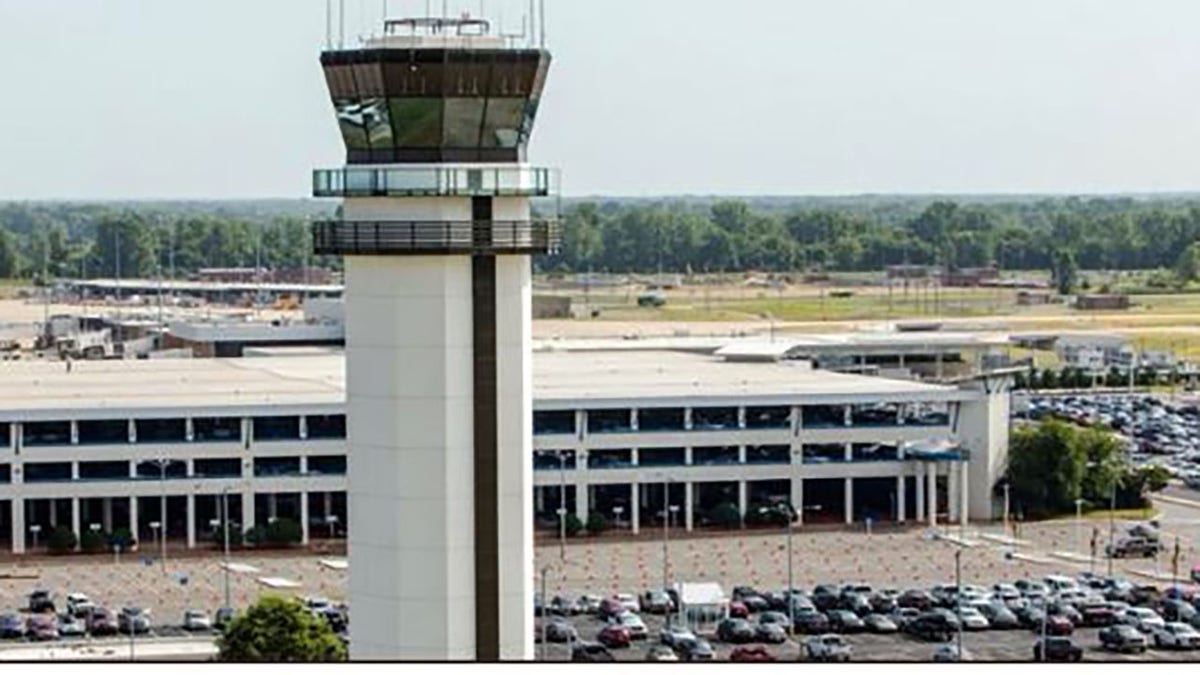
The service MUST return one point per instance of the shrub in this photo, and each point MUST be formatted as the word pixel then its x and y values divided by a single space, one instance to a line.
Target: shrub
pixel 93 542
pixel 574 525
pixel 235 537
pixel 62 541
pixel 727 515
pixel 121 537
pixel 596 523
pixel 283 532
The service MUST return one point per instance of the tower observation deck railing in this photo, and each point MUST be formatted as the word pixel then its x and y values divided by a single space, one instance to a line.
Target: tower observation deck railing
pixel 512 181
pixel 436 238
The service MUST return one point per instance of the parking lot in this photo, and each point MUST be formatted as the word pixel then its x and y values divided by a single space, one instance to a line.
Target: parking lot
pixel 893 559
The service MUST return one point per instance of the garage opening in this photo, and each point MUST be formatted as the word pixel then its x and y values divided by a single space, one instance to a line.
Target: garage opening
pixel 875 498
pixel 547 499
pixel 825 500
pixel 612 502
pixel 712 501
pixel 651 503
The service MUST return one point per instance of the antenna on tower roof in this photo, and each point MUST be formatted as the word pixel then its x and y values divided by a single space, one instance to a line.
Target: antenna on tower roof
pixel 328 24
pixel 542 17
pixel 341 24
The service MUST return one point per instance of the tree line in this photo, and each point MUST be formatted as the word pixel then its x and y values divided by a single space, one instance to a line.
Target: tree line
pixel 622 236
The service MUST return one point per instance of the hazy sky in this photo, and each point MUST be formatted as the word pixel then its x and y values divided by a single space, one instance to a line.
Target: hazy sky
pixel 225 99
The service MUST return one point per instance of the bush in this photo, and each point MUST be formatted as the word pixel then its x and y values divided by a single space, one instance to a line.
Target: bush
pixel 255 536
pixel 284 532
pixel 574 525
pixel 597 523
pixel 93 542
pixel 62 541
pixel 275 630
pixel 726 515
pixel 122 537
pixel 236 539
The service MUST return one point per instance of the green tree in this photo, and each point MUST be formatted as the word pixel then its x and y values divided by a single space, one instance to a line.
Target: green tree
pixel 597 523
pixel 278 630
pixel 1045 468
pixel 573 524
pixel 1187 266
pixel 1065 271
pixel 283 532
pixel 10 256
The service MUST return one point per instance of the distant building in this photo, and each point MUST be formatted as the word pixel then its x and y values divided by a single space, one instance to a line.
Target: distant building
pixel 970 277
pixel 1034 298
pixel 551 307
pixel 1103 303
pixel 1095 354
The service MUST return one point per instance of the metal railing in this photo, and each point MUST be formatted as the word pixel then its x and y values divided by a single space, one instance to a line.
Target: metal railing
pixel 509 181
pixel 415 238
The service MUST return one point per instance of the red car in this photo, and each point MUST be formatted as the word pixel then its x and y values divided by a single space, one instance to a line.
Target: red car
pixel 611 607
pixel 738 610
pixel 1056 624
pixel 756 653
pixel 614 637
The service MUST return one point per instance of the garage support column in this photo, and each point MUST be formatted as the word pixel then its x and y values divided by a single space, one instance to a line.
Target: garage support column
pixel 901 499
pixel 75 520
pixel 247 510
pixel 304 518
pixel 952 491
pixel 689 498
pixel 581 501
pixel 191 521
pixel 849 501
pixel 19 529
pixel 106 513
pixel 797 498
pixel 920 496
pixel 634 508
pixel 931 493
pixel 742 499
pixel 964 508
pixel 133 518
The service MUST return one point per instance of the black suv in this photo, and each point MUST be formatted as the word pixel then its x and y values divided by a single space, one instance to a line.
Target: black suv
pixel 931 627
pixel 1123 638
pixel 1057 649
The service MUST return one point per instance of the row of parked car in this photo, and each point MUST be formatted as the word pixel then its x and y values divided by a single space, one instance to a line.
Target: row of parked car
pixel 1133 616
pixel 80 616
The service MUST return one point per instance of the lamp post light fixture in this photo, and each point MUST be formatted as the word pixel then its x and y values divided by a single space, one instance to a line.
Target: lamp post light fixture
pixel 1079 524
pixel 35 529
pixel 562 506
pixel 617 511
pixel 332 521
pixel 155 527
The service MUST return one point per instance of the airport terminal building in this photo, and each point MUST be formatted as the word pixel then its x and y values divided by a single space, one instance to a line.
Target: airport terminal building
pixel 105 445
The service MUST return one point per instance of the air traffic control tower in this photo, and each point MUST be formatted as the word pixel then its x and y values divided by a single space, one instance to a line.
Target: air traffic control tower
pixel 437 234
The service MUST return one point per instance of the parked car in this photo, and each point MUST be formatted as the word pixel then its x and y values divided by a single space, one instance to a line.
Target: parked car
pixel 1097 614
pixel 770 633
pixel 79 605
pixel 880 623
pixel 559 629
pixel 657 602
pixel 671 636
pixel 753 654
pixel 695 649
pixel 70 626
pixel 563 606
pixel 972 619
pixel 1134 547
pixel 1056 624
pixel 738 610
pixel 931 627
pixel 999 616
pixel 735 631
pixel 904 616
pixel 633 623
pixel 628 601
pixel 829 647
pixel 1123 638
pixel 751 598
pixel 102 622
pixel 1142 618
pixel 1176 635
pixel 661 653
pixel 916 599
pixel 779 618
pixel 614 637
pixel 611 607
pixel 41 600
pixel 223 617
pixel 1175 609
pixel 42 627
pixel 591 652
pixel 133 620
pixel 812 622
pixel 1057 649
pixel 825 597
pixel 845 621
pixel 196 620
pixel 949 653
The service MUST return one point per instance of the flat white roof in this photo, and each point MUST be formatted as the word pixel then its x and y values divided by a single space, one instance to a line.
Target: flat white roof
pixel 285 384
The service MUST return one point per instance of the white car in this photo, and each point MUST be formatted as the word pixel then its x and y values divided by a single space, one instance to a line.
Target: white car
pixel 628 601
pixel 972 619
pixel 1177 635
pixel 948 653
pixel 830 647
pixel 79 605
pixel 1058 583
pixel 633 622
pixel 1142 618
pixel 196 620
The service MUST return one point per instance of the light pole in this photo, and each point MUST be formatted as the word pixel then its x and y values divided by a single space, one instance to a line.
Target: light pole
pixel 1007 502
pixel 225 527
pixel 545 642
pixel 1112 523
pixel 791 519
pixel 958 598
pixel 162 464
pixel 617 511
pixel 155 526
pixel 1078 524
pixel 562 506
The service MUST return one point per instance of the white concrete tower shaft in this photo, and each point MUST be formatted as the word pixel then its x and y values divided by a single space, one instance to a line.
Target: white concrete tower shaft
pixel 437 232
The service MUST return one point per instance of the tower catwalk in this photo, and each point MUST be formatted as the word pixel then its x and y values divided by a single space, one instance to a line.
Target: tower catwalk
pixel 437 233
